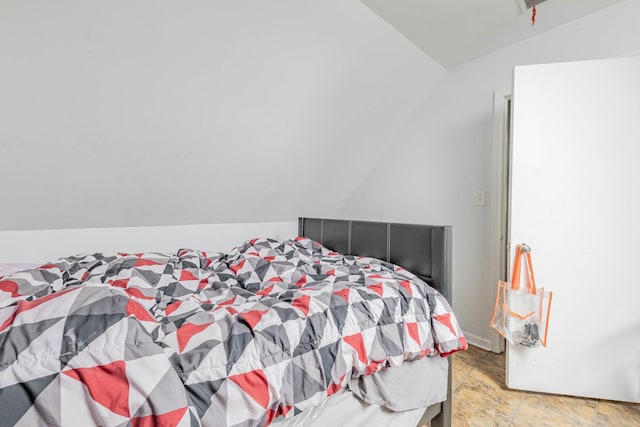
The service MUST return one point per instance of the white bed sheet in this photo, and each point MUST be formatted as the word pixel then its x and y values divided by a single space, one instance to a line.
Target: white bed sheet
pixel 415 384
pixel 347 409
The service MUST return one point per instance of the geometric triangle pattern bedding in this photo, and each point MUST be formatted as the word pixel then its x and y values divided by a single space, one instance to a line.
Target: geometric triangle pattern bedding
pixel 186 339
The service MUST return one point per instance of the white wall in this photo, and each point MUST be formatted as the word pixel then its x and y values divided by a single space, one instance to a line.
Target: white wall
pixel 40 246
pixel 155 112
pixel 430 173
pixel 575 177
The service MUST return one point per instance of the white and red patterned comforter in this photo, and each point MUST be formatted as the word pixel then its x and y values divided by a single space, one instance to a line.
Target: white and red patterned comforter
pixel 271 328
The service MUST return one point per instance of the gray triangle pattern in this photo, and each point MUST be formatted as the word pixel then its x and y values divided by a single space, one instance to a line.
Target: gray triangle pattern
pixel 200 394
pixel 21 397
pixel 161 396
pixel 20 338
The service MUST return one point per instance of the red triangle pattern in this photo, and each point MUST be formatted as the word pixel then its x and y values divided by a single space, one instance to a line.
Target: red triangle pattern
pixel 344 293
pixel 119 283
pixel 253 317
pixel 135 292
pixel 357 343
pixel 237 267
pixel 275 279
pixel 203 284
pixel 272 415
pixel 228 302
pixel 172 307
pixel 9 320
pixel 138 311
pixel 269 258
pixel 407 285
pixel 28 305
pixel 145 262
pixel 265 291
pixel 255 384
pixel 186 332
pixel 335 387
pixel 107 384
pixel 302 281
pixel 170 419
pixel 48 266
pixel 414 333
pixel 187 275
pixel 302 304
pixel 445 319
pixel 373 367
pixel 377 288
pixel 462 345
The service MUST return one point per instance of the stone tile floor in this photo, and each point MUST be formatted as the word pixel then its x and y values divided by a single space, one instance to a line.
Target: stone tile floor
pixel 480 398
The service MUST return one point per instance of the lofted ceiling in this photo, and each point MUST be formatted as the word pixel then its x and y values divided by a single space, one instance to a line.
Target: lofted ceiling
pixel 455 32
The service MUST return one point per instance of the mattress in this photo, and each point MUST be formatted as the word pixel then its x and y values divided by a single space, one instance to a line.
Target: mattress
pixel 392 397
pixel 345 409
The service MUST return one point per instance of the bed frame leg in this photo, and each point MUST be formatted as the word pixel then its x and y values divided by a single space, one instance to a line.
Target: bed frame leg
pixel 443 419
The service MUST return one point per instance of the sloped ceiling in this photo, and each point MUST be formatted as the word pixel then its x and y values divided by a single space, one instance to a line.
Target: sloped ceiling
pixel 455 32
pixel 157 112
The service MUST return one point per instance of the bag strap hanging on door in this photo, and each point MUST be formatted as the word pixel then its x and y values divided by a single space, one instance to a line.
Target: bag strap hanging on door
pixel 523 249
pixel 522 315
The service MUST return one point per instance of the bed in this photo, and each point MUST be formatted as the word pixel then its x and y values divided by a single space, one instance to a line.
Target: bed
pixel 242 339
pixel 424 250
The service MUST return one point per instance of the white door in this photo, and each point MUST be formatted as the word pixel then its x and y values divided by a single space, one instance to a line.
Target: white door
pixel 576 202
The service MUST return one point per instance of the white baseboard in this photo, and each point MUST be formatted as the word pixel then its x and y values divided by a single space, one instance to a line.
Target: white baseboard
pixel 477 341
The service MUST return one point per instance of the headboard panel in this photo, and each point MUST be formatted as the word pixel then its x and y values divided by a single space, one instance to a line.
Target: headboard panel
pixel 425 250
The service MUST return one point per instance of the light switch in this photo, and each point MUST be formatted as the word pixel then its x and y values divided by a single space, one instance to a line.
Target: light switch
pixel 479 198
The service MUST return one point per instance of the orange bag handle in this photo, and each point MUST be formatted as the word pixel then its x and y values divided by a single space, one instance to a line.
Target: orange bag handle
pixel 531 282
pixel 522 249
pixel 546 326
pixel 515 273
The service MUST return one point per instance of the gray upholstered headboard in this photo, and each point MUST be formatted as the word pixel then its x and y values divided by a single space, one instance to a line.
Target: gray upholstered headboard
pixel 425 250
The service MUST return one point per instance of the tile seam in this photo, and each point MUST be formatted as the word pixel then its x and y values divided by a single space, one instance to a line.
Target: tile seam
pixel 515 412
pixel 463 379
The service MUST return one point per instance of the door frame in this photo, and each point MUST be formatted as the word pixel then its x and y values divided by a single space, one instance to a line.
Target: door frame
pixel 500 208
